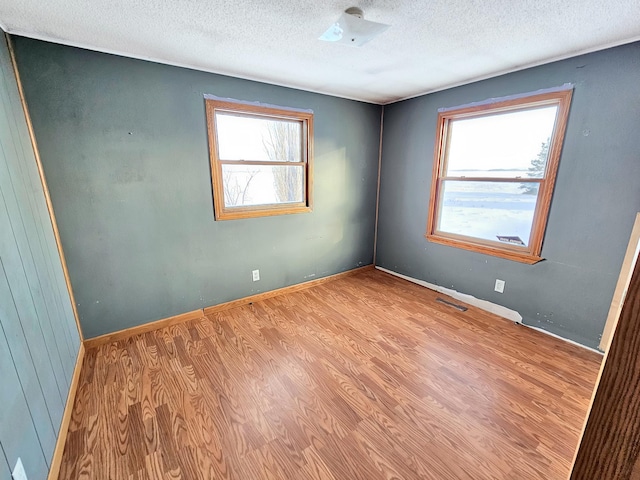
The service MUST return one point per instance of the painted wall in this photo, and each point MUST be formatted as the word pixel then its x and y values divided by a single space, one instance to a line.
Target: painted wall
pixel 124 148
pixel 596 197
pixel 38 337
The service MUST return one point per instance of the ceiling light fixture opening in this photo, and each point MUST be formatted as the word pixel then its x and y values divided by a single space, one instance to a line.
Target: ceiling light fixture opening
pixel 352 29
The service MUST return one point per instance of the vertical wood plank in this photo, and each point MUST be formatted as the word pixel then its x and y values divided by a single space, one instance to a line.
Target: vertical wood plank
pixel 37 222
pixel 17 431
pixel 32 385
pixel 23 222
pixel 5 473
pixel 23 218
pixel 610 449
pixel 5 468
pixel 24 287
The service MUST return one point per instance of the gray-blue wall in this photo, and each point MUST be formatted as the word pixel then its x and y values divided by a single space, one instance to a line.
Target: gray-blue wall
pixel 124 148
pixel 596 197
pixel 38 337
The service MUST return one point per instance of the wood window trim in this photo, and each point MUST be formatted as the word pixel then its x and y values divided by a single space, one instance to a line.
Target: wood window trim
pixel 222 212
pixel 532 253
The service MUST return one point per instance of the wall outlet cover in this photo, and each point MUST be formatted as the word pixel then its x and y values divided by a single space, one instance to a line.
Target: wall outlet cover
pixel 499 286
pixel 256 275
pixel 18 471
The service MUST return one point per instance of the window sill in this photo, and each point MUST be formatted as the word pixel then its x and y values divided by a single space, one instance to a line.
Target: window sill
pixel 269 211
pixel 522 257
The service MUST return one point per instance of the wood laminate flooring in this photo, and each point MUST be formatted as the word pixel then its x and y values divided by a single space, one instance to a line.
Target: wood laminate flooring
pixel 366 377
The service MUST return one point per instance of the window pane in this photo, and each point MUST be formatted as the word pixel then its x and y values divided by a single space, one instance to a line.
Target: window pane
pixel 511 144
pixel 262 184
pixel 496 211
pixel 242 137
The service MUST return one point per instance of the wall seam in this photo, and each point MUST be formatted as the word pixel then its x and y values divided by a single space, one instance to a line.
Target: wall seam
pixel 375 231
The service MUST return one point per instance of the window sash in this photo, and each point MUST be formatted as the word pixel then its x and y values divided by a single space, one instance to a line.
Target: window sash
pixel 271 205
pixel 491 113
pixel 303 133
pixel 469 238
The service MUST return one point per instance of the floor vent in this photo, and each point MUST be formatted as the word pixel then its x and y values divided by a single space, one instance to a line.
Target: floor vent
pixel 451 304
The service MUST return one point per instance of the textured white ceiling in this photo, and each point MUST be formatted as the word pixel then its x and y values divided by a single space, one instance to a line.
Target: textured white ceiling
pixel 430 46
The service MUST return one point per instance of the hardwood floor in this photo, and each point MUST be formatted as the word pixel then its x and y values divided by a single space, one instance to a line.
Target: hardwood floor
pixel 366 377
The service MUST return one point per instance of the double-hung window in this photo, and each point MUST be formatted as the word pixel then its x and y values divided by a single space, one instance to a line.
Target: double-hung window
pixel 261 159
pixel 494 171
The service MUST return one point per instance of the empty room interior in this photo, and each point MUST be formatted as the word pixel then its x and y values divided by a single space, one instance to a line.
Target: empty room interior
pixel 319 240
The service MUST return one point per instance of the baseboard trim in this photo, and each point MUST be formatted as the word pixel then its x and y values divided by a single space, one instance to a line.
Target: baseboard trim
pixel 485 305
pixel 573 342
pixel 56 460
pixel 144 328
pixel 282 291
pixel 195 314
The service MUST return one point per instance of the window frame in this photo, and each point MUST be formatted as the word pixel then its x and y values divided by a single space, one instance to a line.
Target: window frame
pixel 305 117
pixel 529 254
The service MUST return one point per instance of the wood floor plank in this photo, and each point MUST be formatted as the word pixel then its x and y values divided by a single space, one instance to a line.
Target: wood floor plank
pixel 366 377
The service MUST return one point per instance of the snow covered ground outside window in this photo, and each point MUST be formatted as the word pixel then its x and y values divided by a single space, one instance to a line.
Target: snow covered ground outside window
pixel 487 210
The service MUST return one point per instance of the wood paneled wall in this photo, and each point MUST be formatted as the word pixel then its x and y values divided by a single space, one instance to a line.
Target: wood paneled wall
pixel 39 340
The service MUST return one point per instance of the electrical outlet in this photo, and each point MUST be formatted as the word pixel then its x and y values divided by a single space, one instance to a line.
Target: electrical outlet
pixel 499 286
pixel 18 471
pixel 256 275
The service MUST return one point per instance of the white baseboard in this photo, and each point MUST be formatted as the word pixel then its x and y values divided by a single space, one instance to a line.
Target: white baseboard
pixel 499 310
pixel 504 312
pixel 565 339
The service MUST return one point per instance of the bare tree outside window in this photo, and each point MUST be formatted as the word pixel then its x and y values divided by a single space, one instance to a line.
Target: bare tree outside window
pixel 283 144
pixel 235 188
